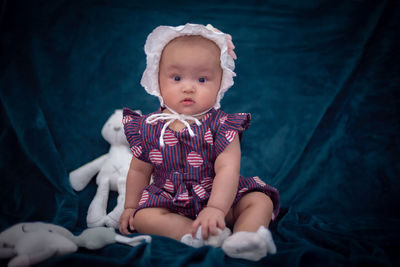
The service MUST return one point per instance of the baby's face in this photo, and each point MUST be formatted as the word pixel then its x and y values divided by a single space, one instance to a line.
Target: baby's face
pixel 190 74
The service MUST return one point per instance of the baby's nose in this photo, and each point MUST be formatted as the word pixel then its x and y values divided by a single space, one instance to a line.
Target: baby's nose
pixel 189 87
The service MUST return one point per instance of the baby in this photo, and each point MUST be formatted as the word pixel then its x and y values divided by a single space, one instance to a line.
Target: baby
pixel 192 149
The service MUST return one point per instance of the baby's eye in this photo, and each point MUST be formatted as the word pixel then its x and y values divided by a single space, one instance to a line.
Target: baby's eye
pixel 202 80
pixel 176 78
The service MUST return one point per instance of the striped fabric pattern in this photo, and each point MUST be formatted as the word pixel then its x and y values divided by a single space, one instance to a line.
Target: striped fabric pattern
pixel 184 167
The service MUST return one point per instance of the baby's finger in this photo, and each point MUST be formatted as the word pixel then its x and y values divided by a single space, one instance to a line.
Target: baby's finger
pixel 221 224
pixel 123 227
pixel 205 232
pixel 131 227
pixel 195 226
pixel 212 228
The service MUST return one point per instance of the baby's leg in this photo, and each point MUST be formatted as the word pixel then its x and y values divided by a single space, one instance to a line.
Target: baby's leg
pixel 251 239
pixel 159 221
pixel 252 211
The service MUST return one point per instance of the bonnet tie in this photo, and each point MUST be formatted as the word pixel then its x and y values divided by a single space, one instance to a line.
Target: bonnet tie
pixel 171 117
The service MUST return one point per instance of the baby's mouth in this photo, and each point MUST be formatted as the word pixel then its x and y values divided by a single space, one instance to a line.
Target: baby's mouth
pixel 187 101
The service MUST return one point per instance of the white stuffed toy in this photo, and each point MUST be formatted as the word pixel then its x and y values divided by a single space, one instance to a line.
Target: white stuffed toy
pixel 112 169
pixel 30 243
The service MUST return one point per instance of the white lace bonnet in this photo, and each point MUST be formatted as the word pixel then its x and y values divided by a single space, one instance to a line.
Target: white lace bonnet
pixel 162 35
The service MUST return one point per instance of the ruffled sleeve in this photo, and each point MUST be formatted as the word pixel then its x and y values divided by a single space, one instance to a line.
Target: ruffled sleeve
pixel 229 125
pixel 132 122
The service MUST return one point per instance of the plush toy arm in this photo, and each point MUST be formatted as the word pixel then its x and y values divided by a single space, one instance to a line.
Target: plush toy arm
pixel 95 238
pixel 80 177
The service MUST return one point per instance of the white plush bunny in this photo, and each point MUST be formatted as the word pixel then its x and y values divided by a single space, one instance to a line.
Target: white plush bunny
pixel 29 243
pixel 112 169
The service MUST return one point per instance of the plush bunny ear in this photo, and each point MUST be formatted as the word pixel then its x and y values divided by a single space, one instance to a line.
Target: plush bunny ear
pixel 162 35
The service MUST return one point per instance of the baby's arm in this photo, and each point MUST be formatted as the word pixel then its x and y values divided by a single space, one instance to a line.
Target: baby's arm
pixel 227 169
pixel 138 178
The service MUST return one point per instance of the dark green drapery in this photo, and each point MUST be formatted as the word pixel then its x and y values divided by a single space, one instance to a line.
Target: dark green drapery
pixel 321 79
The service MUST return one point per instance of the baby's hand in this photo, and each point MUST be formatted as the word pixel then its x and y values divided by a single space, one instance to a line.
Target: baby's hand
pixel 209 219
pixel 126 221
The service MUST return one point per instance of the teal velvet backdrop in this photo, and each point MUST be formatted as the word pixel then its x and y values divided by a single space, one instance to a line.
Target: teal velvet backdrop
pixel 320 78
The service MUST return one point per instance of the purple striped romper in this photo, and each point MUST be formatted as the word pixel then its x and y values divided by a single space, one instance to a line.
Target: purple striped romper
pixel 184 167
